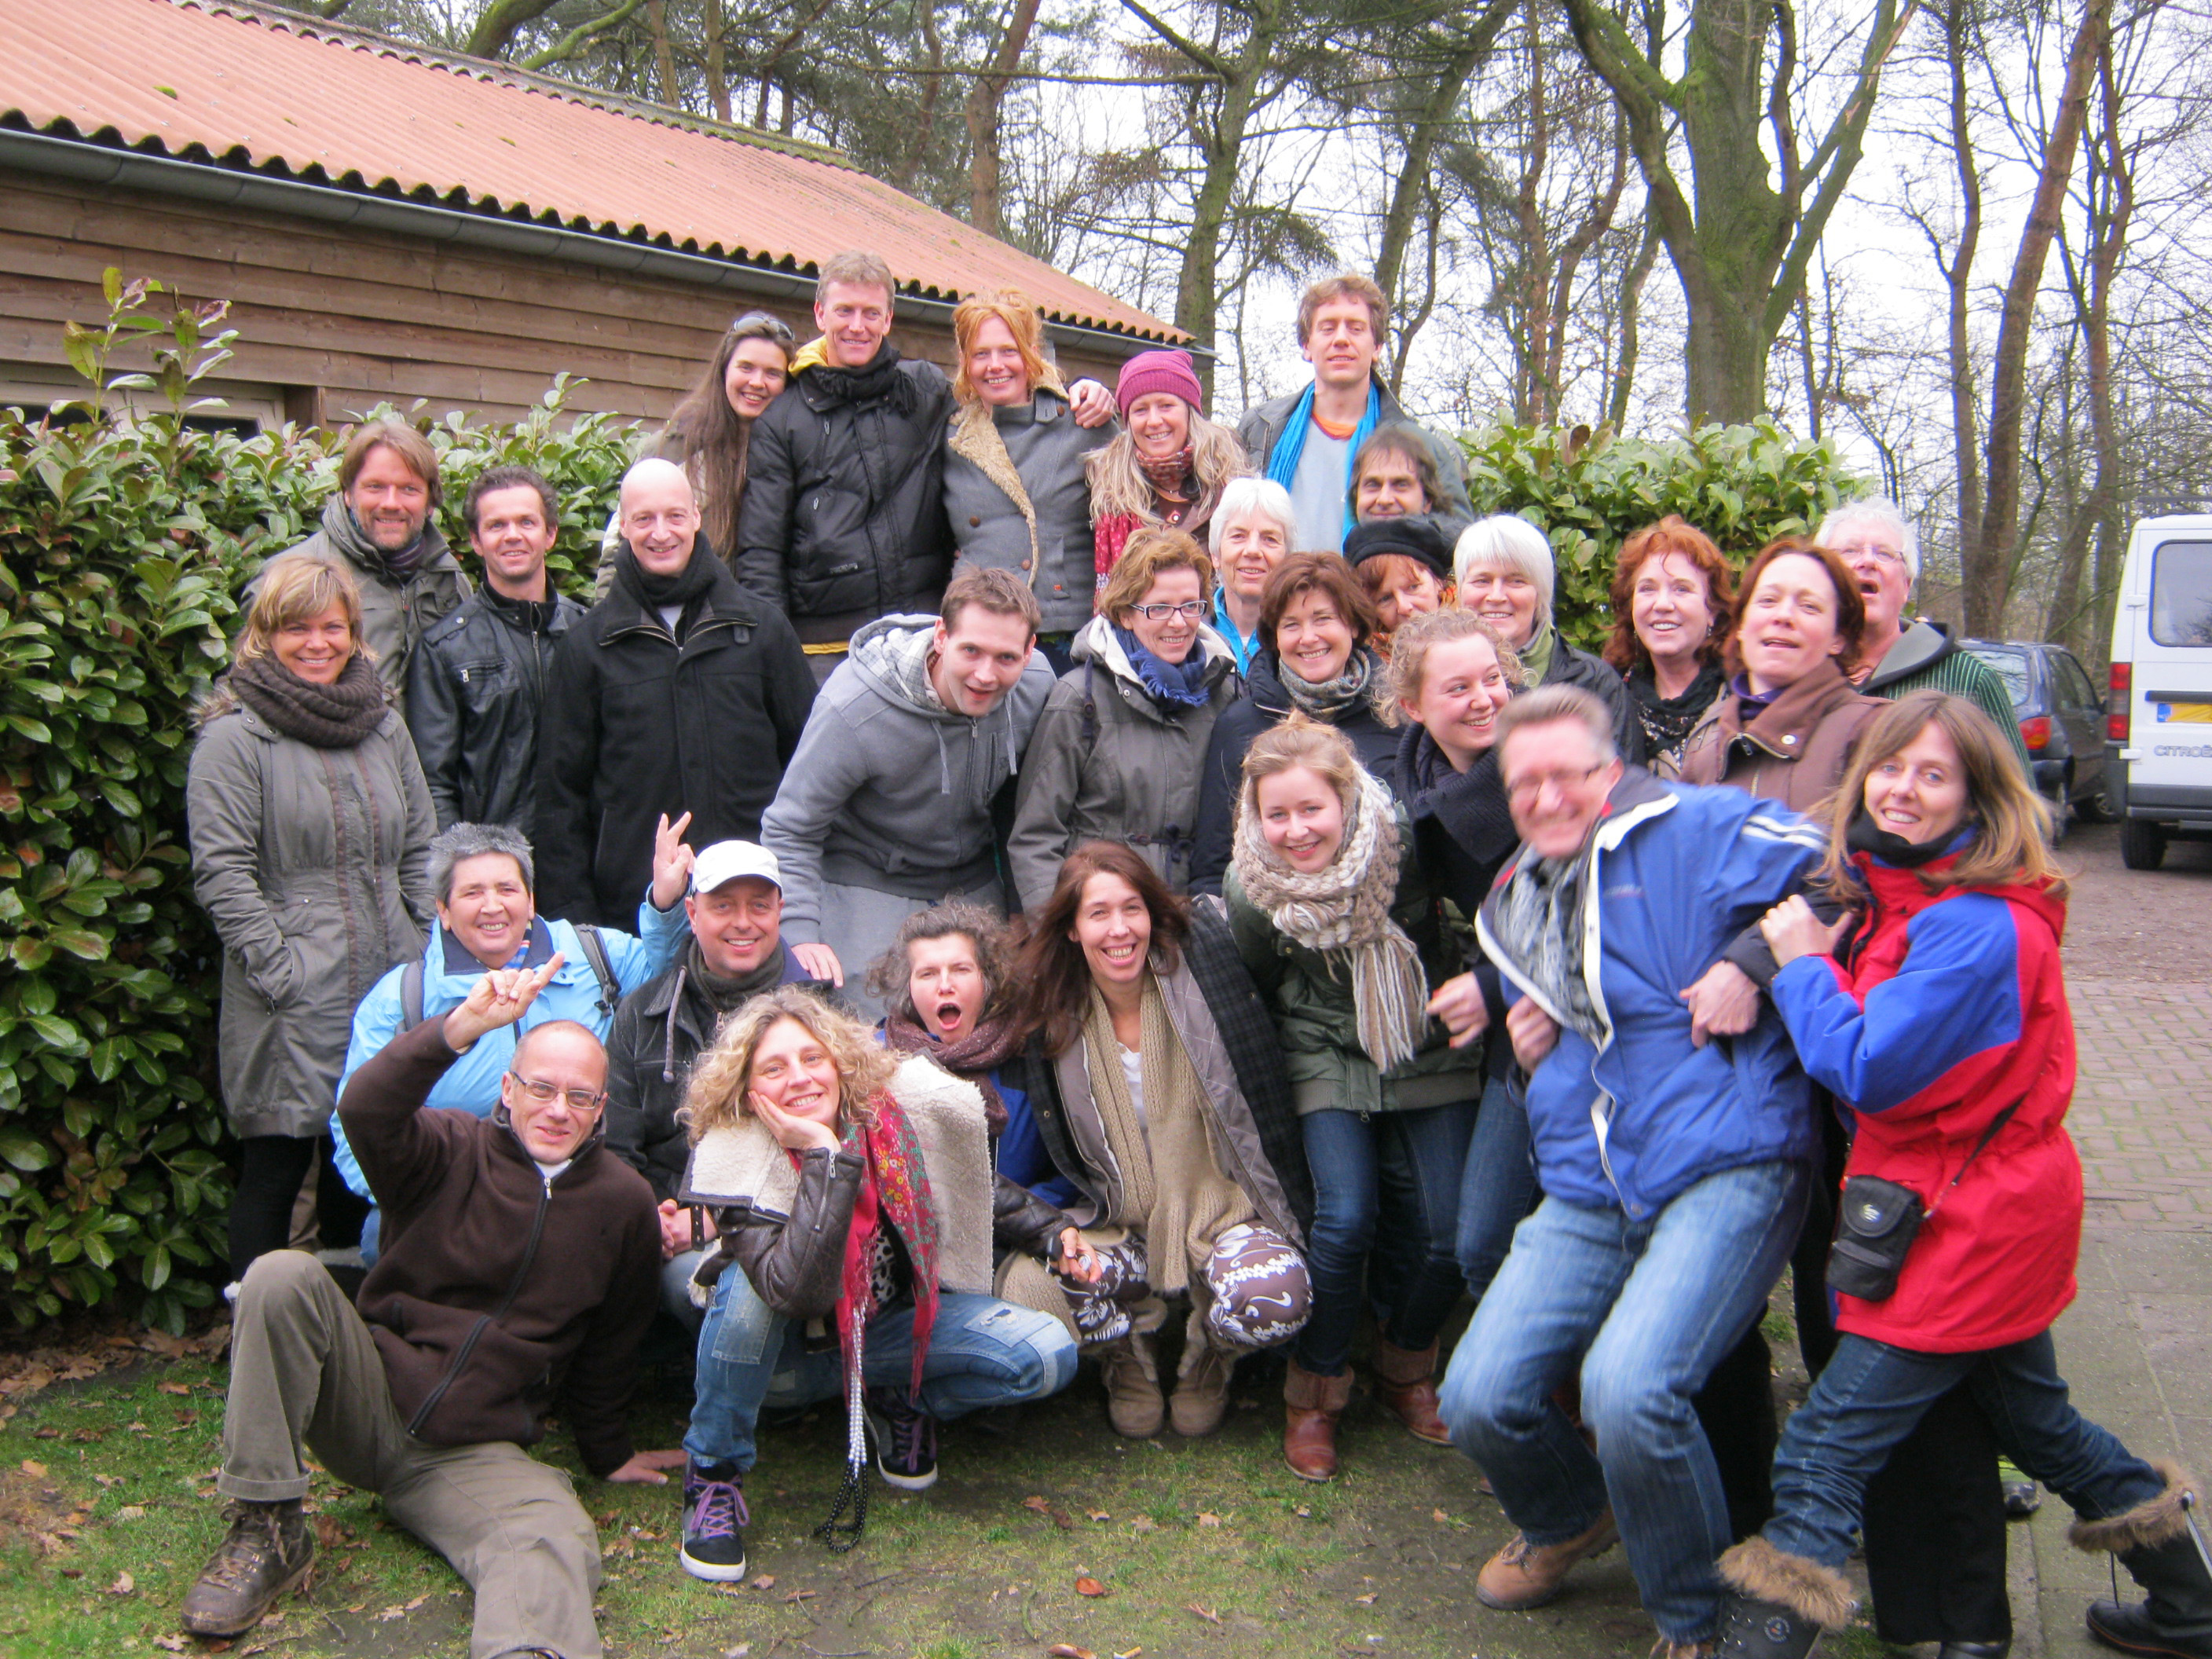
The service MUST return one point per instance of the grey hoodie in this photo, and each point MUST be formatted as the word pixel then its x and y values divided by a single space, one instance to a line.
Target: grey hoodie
pixel 889 790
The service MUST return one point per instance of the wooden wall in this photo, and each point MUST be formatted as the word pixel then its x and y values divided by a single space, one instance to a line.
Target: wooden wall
pixel 341 320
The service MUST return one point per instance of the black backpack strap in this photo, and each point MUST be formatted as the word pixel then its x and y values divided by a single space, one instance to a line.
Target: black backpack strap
pixel 410 994
pixel 1090 728
pixel 595 952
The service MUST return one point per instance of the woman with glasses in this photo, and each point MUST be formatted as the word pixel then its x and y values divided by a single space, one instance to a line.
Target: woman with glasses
pixel 1116 753
pixel 711 428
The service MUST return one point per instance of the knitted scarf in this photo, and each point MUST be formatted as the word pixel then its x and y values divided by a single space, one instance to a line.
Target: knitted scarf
pixel 1343 912
pixel 1168 474
pixel 1667 720
pixel 1290 448
pixel 1536 919
pixel 1350 690
pixel 339 715
pixel 1470 804
pixel 1185 685
pixel 991 1044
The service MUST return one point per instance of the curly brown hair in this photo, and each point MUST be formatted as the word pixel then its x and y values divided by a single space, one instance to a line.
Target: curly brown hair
pixel 720 1076
pixel 1675 535
pixel 889 974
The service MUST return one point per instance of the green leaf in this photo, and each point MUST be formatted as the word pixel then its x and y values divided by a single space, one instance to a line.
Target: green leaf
pixel 24 1153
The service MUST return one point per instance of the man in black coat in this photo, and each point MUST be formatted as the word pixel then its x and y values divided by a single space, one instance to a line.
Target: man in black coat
pixel 475 687
pixel 678 693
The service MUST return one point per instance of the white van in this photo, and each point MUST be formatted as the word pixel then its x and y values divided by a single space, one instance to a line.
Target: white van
pixel 2158 718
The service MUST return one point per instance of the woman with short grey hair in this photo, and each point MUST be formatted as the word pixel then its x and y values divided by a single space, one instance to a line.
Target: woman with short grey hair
pixel 1507 576
pixel 1253 531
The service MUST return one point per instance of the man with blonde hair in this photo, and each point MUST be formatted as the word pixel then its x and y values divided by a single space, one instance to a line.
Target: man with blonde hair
pixel 1306 441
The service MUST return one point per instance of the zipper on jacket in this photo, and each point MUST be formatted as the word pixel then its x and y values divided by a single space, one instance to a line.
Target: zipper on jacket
pixel 469 1343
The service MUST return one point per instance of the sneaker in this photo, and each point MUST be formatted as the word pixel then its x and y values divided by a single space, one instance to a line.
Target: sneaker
pixel 906 1439
pixel 714 1520
pixel 2020 1498
pixel 269 1549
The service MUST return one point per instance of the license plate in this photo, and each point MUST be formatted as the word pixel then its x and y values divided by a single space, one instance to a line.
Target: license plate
pixel 2184 714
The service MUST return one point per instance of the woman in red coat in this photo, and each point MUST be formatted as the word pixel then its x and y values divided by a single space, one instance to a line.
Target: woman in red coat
pixel 1936 1009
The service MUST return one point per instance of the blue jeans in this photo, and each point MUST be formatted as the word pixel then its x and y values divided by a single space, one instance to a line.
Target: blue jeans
pixel 1871 1396
pixel 982 1352
pixel 1646 1308
pixel 1387 1182
pixel 1499 1188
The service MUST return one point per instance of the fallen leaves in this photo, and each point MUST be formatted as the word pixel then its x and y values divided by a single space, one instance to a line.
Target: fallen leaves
pixel 131 1512
pixel 1087 1585
pixel 37 1471
pixel 182 1389
pixel 123 1584
pixel 1068 1650
pixel 1212 1615
pixel 1058 1517
pixel 170 1643
pixel 1097 1515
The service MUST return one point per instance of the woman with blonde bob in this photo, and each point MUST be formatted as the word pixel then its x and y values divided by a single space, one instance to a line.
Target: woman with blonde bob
pixel 853 1187
pixel 1935 1010
pixel 311 828
pixel 1116 753
pixel 1015 487
pixel 1346 941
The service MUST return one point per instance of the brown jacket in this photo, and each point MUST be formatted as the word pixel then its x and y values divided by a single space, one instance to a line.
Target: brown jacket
pixel 1794 751
pixel 498 1289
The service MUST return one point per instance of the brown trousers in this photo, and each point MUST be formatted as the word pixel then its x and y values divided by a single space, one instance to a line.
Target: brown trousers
pixel 304 1371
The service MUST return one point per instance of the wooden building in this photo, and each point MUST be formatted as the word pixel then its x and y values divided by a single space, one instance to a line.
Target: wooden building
pixel 390 223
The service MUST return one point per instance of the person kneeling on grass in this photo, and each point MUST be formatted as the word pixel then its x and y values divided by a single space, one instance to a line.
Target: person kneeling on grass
pixel 854 1196
pixel 1937 1010
pixel 518 1271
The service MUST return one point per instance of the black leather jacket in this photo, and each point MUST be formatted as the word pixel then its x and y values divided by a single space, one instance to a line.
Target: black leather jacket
pixel 473 691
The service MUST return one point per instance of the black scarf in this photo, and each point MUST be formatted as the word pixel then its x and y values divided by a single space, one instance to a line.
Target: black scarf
pixel 685 588
pixel 339 715
pixel 1667 720
pixel 1470 806
pixel 725 992
pixel 829 385
pixel 1865 835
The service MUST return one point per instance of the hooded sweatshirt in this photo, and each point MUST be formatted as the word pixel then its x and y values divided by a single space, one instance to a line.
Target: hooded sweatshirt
pixel 889 790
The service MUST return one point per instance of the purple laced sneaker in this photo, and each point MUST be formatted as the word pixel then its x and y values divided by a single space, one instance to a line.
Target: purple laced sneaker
pixel 714 1520
pixel 906 1439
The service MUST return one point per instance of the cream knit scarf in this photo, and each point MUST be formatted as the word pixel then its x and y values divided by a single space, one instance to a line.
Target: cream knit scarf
pixel 1343 913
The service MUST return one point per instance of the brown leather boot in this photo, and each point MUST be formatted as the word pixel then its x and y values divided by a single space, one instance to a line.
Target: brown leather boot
pixel 1201 1392
pixel 1311 1407
pixel 1130 1367
pixel 1524 1575
pixel 1406 1387
pixel 269 1549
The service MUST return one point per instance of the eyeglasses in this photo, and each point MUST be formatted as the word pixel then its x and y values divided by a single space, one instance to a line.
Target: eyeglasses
pixel 1869 550
pixel 1524 790
pixel 580 1100
pixel 1189 610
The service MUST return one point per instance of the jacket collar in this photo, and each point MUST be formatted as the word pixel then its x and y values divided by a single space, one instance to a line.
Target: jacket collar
pixel 1921 646
pixel 1786 727
pixel 455 959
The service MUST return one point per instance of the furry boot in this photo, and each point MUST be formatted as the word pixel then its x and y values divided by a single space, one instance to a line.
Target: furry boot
pixel 1779 1603
pixel 2158 1543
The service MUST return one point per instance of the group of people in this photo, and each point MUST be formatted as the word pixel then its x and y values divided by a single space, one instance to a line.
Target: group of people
pixel 1372 948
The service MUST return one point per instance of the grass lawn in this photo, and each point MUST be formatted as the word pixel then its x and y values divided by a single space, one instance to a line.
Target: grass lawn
pixel 1200 1548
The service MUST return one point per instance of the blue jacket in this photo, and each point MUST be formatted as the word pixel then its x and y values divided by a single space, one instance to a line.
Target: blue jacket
pixel 1629 1121
pixel 471 1083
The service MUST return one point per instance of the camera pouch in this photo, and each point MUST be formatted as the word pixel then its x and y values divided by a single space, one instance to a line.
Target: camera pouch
pixel 1876 1226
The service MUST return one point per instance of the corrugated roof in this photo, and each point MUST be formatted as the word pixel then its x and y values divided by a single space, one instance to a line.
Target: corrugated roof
pixel 196 79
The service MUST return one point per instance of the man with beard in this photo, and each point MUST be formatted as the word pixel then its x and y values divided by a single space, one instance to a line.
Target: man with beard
pixel 379 524
pixel 679 692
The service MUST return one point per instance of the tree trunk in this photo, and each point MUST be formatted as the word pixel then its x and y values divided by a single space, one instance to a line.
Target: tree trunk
pixel 1631 300
pixel 985 101
pixel 1221 144
pixel 1989 559
pixel 1957 275
pixel 664 53
pixel 501 22
pixel 1437 113
pixel 716 26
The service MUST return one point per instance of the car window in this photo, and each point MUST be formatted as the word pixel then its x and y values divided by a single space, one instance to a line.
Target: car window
pixel 2076 679
pixel 2181 593
pixel 2011 667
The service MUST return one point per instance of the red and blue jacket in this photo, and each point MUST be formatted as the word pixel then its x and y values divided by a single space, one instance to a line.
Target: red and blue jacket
pixel 1946 1008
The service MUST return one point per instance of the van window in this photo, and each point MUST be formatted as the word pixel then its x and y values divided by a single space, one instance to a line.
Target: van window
pixel 2181 593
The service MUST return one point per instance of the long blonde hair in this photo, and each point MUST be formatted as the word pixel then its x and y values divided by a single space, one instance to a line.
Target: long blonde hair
pixel 1118 484
pixel 719 1079
pixel 2011 844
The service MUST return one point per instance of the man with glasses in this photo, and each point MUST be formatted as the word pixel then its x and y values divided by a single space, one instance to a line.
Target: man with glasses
pixel 1675 1169
pixel 1898 654
pixel 518 1274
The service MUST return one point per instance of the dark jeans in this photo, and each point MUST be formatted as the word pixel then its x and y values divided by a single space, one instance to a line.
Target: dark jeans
pixel 1388 1184
pixel 1498 1190
pixel 268 1177
pixel 1872 1394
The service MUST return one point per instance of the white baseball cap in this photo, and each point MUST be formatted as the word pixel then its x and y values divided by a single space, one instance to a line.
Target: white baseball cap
pixel 727 860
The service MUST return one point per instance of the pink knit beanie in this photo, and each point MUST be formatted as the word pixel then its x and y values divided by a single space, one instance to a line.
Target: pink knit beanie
pixel 1159 371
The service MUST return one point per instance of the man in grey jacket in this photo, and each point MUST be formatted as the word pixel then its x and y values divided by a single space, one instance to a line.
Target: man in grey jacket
pixel 865 828
pixel 379 524
pixel 1306 441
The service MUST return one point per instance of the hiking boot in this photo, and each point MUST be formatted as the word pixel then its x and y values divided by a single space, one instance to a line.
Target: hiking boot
pixel 715 1522
pixel 1406 1387
pixel 1311 1405
pixel 1201 1392
pixel 1130 1369
pixel 906 1439
pixel 269 1549
pixel 1524 1575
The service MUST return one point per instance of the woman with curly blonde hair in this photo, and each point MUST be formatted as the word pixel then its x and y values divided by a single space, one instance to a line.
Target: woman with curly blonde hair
pixel 852 1188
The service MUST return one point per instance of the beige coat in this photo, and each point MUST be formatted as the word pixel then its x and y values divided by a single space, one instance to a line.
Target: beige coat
pixel 1794 752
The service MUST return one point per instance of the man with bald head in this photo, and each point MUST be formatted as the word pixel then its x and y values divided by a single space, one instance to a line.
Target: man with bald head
pixel 519 1263
pixel 678 693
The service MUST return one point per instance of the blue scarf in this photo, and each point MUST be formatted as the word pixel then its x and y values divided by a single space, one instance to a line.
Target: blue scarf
pixel 1237 643
pixel 1172 683
pixel 1283 460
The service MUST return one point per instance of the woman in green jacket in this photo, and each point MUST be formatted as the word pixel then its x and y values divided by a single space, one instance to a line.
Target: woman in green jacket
pixel 1348 943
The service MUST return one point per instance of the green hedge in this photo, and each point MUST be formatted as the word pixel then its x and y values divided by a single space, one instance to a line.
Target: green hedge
pixel 1590 491
pixel 122 543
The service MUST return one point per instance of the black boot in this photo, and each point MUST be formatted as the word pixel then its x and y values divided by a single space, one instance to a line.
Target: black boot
pixel 1762 1630
pixel 2176 1620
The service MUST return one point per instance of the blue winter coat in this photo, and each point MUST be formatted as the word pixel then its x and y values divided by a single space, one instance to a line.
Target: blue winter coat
pixel 1630 1120
pixel 471 1084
